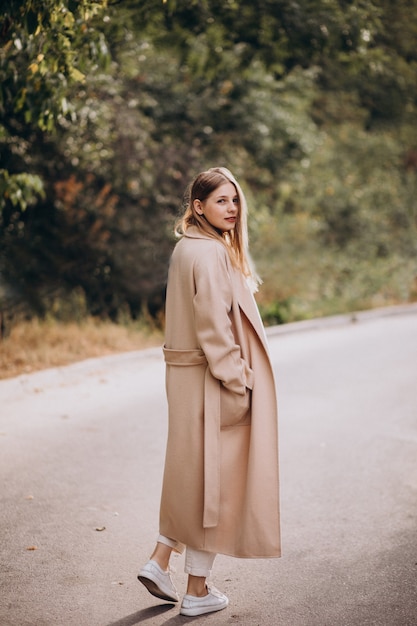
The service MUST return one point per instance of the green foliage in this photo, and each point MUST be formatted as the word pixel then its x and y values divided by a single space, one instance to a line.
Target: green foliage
pixel 378 67
pixel 344 231
pixel 20 189
pixel 279 34
pixel 275 313
pixel 107 112
pixel 44 46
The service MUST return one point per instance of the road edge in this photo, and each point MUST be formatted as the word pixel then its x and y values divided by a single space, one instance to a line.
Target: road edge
pixel 95 364
pixel 343 319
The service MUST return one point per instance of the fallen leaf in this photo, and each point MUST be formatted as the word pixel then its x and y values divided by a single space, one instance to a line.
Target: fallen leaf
pixel 32 548
pixel 100 528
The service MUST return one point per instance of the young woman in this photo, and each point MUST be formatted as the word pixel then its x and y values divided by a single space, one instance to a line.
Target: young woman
pixel 220 486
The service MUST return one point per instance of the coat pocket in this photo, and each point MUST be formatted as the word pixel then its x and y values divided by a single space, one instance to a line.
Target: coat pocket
pixel 234 407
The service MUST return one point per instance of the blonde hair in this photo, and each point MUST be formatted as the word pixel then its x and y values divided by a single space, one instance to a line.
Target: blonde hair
pixel 236 241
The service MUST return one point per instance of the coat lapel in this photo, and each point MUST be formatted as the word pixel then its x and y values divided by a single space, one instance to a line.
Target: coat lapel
pixel 248 305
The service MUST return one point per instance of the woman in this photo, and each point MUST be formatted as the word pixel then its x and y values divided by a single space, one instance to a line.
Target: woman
pixel 220 486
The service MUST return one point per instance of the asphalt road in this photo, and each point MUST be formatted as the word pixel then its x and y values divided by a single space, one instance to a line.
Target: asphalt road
pixel 81 458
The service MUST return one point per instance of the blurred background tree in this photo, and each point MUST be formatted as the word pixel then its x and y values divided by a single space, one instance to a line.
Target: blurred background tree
pixel 108 110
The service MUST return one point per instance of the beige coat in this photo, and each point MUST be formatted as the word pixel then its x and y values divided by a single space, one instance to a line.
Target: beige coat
pixel 220 487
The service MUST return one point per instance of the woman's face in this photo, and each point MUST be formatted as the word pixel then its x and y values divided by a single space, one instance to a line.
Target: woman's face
pixel 221 208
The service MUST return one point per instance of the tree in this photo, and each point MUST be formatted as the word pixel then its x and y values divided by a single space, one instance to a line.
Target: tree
pixel 44 47
pixel 107 112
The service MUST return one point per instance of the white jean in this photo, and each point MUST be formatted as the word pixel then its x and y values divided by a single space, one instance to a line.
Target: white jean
pixel 197 562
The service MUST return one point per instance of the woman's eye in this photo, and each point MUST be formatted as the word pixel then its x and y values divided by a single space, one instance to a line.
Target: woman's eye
pixel 236 200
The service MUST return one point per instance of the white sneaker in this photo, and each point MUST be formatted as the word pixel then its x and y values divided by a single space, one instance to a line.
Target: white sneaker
pixel 158 582
pixel 215 600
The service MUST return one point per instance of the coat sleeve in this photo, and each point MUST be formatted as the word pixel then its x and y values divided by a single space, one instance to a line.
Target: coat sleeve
pixel 212 305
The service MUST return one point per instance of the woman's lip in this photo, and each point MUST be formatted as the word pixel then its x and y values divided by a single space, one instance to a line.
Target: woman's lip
pixel 230 219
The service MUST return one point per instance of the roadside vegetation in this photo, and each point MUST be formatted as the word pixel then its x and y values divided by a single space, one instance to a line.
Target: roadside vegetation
pixel 36 344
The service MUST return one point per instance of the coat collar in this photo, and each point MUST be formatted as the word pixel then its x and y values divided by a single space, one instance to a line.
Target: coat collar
pixel 195 233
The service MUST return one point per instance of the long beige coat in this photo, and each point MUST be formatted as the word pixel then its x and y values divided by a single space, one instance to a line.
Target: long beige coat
pixel 220 487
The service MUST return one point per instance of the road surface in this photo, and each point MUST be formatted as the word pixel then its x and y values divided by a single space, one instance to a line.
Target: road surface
pixel 81 458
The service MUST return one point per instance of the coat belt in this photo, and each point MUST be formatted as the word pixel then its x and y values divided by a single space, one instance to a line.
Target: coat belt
pixel 187 358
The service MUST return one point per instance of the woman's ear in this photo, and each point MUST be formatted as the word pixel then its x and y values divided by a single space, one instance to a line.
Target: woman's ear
pixel 198 207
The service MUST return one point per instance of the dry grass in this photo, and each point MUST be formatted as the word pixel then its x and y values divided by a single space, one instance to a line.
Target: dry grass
pixel 38 345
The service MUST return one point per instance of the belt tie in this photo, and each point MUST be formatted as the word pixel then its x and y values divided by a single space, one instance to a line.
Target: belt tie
pixel 189 358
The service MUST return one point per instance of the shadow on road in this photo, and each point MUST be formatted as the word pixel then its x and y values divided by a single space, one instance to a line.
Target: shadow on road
pixel 154 611
pixel 180 619
pixel 142 616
